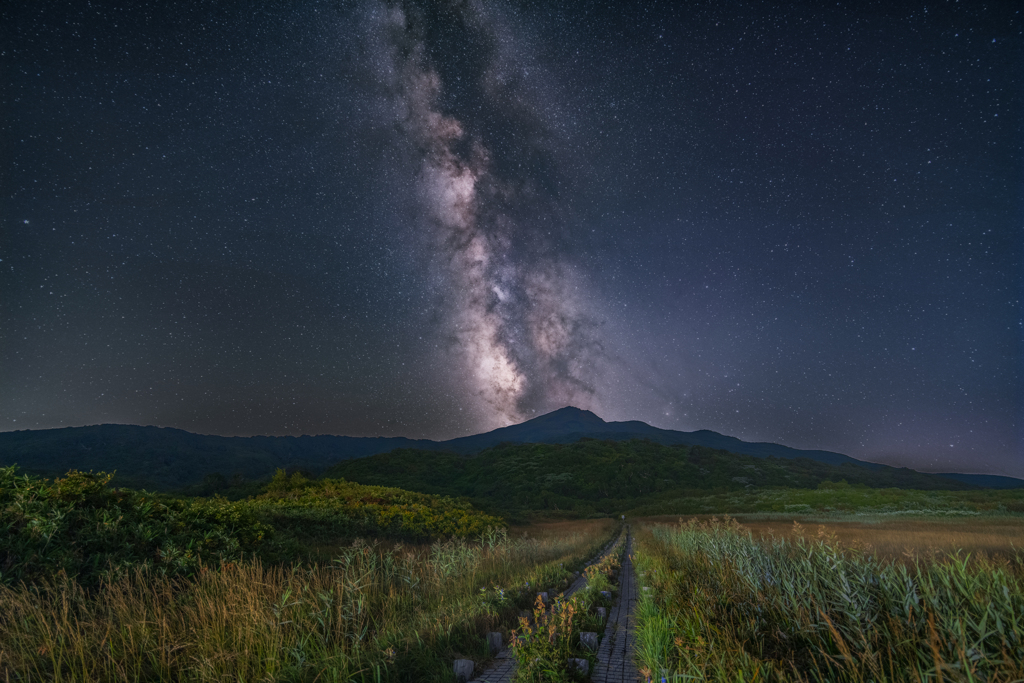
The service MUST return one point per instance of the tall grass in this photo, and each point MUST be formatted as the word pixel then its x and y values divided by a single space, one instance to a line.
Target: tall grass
pixel 896 539
pixel 832 498
pixel 547 646
pixel 374 613
pixel 727 607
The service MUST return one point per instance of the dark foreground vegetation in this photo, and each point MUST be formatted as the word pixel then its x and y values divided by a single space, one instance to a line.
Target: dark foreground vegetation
pixel 373 613
pixel 296 578
pixel 81 527
pixel 307 581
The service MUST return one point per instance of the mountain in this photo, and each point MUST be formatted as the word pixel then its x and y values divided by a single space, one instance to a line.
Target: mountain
pixel 567 425
pixel 166 458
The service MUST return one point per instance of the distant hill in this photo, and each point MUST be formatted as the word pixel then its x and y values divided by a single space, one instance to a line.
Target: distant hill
pixel 604 476
pixel 167 459
pixel 163 458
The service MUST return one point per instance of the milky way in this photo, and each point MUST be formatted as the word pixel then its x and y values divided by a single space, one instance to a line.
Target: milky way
pixel 513 307
pixel 787 222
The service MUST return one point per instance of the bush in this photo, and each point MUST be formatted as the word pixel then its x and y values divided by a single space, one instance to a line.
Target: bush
pixel 79 526
pixel 338 508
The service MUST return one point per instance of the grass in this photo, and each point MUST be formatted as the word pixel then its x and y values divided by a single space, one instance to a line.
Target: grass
pixel 894 538
pixel 375 613
pixel 104 584
pixel 913 538
pixel 840 500
pixel 728 606
pixel 547 646
pixel 83 527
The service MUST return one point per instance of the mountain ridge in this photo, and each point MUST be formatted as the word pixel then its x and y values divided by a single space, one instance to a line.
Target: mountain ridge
pixel 536 431
pixel 168 457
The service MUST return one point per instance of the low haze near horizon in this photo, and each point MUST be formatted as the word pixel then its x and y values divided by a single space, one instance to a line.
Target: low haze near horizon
pixel 779 221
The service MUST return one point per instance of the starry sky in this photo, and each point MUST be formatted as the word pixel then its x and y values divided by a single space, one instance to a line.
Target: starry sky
pixel 797 222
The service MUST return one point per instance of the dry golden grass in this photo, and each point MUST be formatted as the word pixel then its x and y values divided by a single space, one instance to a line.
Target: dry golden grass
pixel 356 617
pixel 991 536
pixel 561 528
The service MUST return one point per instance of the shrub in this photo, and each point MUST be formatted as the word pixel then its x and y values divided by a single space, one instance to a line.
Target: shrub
pixel 79 526
pixel 335 507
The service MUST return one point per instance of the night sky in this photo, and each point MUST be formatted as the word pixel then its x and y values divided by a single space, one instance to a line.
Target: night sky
pixel 795 223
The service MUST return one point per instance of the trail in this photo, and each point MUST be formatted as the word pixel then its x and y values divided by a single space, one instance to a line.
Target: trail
pixel 615 661
pixel 615 654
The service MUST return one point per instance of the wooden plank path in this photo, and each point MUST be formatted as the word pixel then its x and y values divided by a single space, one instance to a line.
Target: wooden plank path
pixel 615 654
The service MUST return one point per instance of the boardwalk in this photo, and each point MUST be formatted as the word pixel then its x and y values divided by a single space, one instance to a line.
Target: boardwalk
pixel 615 655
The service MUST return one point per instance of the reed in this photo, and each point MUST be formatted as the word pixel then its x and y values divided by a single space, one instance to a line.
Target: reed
pixel 374 613
pixel 994 537
pixel 727 606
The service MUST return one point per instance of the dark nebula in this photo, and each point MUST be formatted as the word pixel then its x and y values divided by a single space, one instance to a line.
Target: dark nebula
pixel 781 221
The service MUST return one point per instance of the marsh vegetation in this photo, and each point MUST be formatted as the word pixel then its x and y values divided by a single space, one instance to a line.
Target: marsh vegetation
pixel 375 612
pixel 727 605
pixel 330 580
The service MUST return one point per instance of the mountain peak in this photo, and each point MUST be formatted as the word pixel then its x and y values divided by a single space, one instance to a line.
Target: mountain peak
pixel 568 414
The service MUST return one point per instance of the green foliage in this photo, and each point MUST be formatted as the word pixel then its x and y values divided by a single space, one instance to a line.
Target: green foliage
pixel 334 508
pixel 377 612
pixel 80 526
pixel 545 644
pixel 602 576
pixel 592 477
pixel 840 499
pixel 281 483
pixel 725 607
